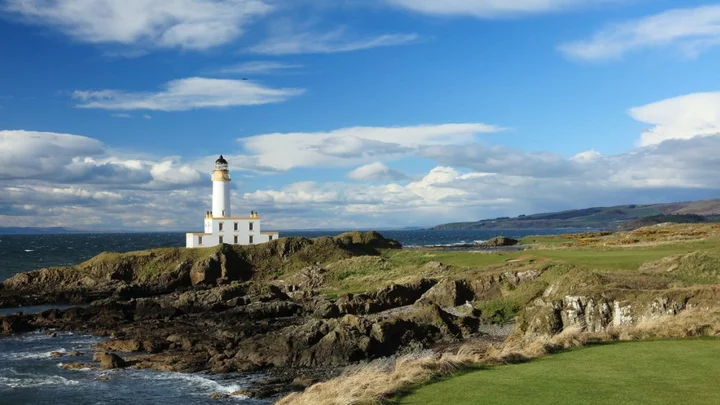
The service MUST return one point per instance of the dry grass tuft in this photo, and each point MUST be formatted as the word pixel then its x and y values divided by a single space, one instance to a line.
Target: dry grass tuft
pixel 375 382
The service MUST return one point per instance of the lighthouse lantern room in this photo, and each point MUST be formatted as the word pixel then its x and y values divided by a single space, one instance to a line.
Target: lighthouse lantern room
pixel 220 226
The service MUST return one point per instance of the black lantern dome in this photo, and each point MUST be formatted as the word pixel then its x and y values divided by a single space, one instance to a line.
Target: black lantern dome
pixel 221 163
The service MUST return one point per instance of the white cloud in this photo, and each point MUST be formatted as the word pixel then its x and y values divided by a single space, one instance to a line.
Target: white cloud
pixel 74 159
pixel 171 173
pixel 490 8
pixel 186 94
pixel 122 115
pixel 673 171
pixel 287 40
pixel 190 24
pixel 357 145
pixel 684 117
pixel 375 172
pixel 88 186
pixel 691 30
pixel 259 68
pixel 26 154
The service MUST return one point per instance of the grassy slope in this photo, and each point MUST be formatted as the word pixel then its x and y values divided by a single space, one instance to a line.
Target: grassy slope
pixel 614 257
pixel 657 372
pixel 604 253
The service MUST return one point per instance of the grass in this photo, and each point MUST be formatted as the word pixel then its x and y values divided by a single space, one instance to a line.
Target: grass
pixel 362 274
pixel 652 372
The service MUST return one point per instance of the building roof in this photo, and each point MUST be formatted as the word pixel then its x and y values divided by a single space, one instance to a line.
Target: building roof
pixel 221 160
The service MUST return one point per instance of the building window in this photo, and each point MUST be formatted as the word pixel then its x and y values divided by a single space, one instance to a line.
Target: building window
pixel 251 239
pixel 236 240
pixel 199 240
pixel 251 226
pixel 221 226
pixel 270 237
pixel 236 226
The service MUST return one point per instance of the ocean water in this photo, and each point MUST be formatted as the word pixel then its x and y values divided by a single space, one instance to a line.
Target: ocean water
pixel 30 375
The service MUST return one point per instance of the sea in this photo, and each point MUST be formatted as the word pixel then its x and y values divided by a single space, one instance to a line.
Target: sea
pixel 30 374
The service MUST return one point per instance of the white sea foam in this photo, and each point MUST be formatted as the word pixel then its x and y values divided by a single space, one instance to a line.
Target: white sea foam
pixel 36 355
pixel 196 381
pixel 13 379
pixel 29 250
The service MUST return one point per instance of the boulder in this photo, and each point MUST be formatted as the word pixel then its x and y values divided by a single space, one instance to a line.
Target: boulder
pixel 75 366
pixel 326 310
pixel 500 241
pixel 12 324
pixel 206 271
pixel 448 293
pixel 109 361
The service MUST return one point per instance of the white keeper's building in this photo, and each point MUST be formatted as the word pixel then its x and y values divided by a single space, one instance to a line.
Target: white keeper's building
pixel 220 225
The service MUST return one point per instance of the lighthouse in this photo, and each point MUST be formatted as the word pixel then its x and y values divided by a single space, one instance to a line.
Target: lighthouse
pixel 220 226
pixel 221 189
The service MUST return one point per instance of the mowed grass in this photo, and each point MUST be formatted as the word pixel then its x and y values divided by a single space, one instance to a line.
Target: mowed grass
pixel 648 373
pixel 610 258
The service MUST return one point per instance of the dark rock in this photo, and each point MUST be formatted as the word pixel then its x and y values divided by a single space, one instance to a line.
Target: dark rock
pixel 371 240
pixel 393 296
pixel 13 324
pixel 449 293
pixel 109 361
pixel 326 310
pixel 151 346
pixel 219 396
pixel 56 354
pixel 500 241
pixel 124 346
pixel 75 366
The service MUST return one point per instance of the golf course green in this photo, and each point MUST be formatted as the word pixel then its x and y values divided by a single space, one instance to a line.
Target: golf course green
pixel 648 373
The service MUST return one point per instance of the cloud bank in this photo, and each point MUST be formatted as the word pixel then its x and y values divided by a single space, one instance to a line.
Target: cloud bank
pixel 187 94
pixel 491 8
pixel 690 30
pixel 188 24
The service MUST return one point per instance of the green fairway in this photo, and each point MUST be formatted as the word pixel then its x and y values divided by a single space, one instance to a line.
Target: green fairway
pixel 657 372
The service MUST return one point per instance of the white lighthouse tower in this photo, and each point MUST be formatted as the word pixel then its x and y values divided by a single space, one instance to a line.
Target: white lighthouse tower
pixel 220 226
pixel 221 189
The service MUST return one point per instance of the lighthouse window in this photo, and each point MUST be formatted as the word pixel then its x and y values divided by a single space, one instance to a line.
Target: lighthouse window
pixel 236 240
pixel 251 239
pixel 221 240
pixel 236 227
pixel 251 226
pixel 221 226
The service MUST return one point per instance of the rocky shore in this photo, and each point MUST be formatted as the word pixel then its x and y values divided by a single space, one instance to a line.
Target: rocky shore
pixel 242 309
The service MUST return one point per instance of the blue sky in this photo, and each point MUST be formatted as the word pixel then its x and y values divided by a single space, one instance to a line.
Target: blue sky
pixel 375 113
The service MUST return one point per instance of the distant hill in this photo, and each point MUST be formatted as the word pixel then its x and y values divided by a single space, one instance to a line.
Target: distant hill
pixel 612 218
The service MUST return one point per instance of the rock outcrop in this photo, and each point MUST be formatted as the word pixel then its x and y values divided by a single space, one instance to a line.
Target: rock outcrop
pixel 109 361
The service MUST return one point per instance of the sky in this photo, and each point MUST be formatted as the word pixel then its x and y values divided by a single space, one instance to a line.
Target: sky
pixel 352 113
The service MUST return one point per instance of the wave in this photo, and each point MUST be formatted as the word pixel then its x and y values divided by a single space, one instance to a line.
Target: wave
pixel 461 243
pixel 29 250
pixel 33 355
pixel 11 378
pixel 198 382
